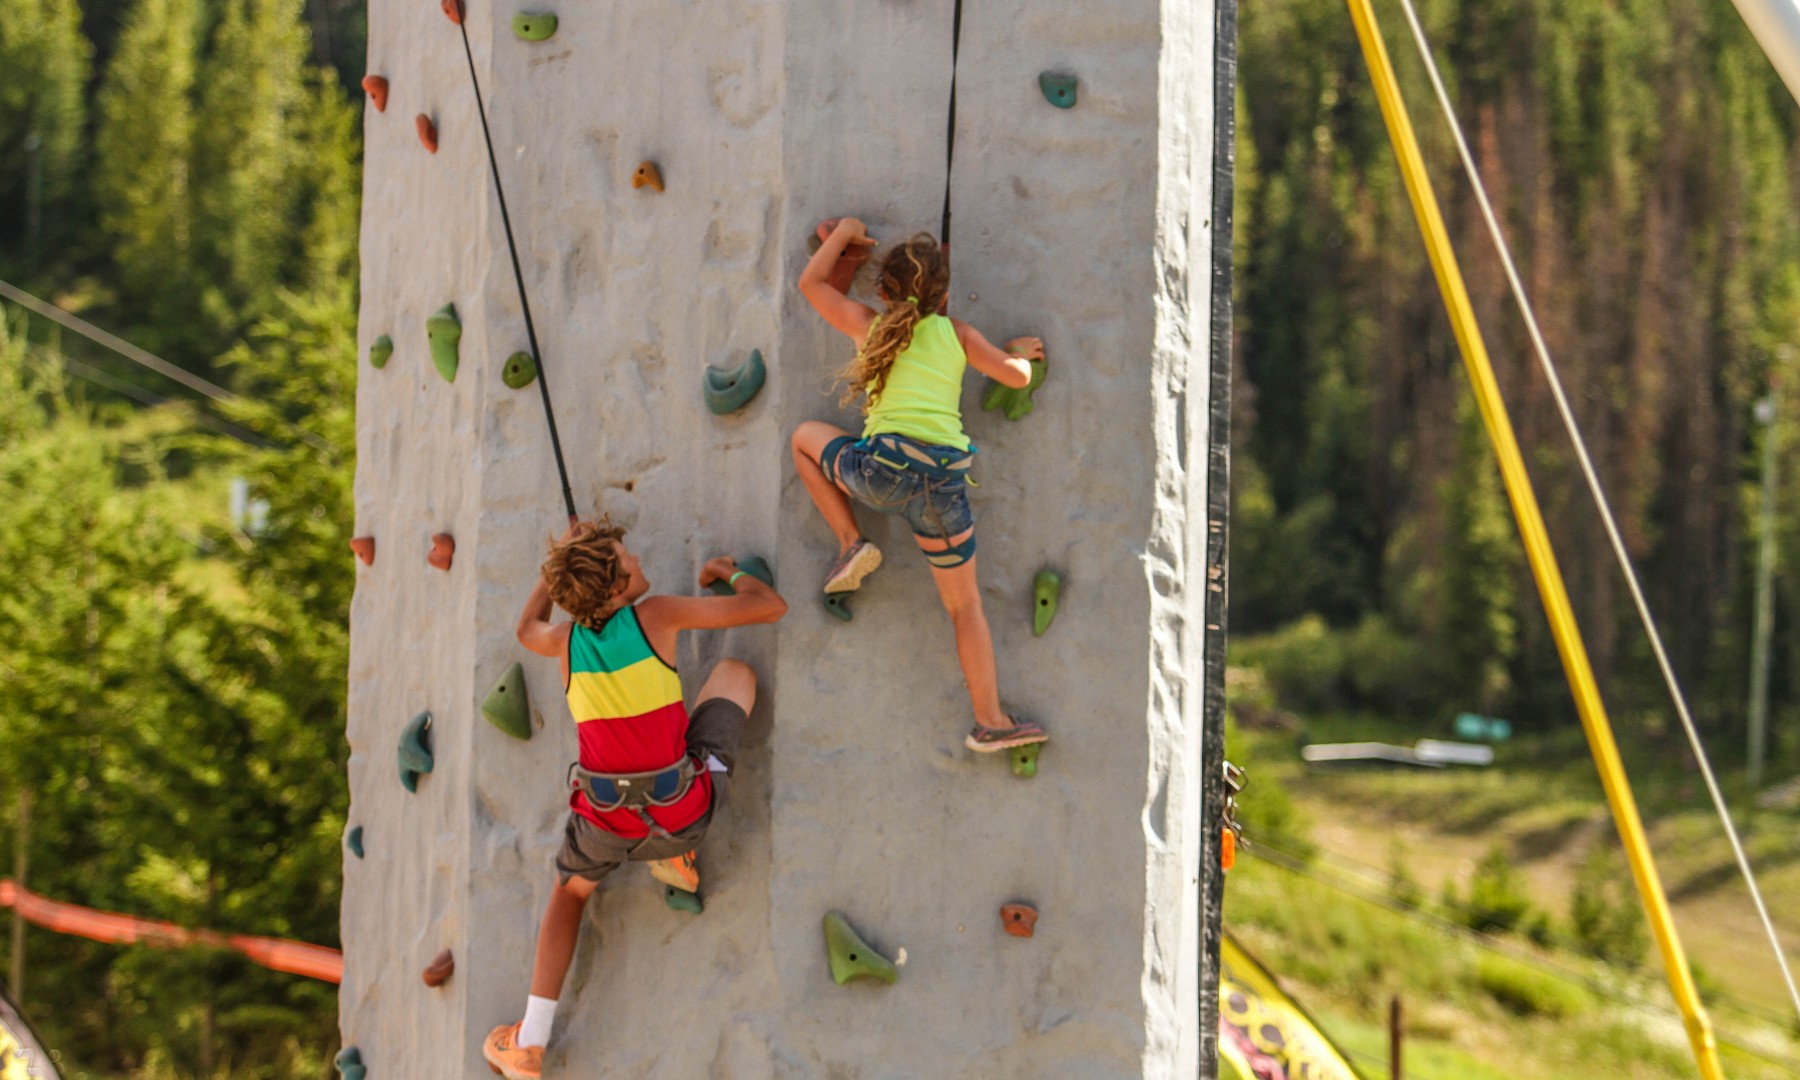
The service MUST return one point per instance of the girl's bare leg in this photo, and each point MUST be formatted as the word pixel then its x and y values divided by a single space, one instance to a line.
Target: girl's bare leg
pixel 834 505
pixel 961 594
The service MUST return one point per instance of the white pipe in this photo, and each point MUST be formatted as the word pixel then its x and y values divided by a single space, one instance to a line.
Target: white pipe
pixel 1776 26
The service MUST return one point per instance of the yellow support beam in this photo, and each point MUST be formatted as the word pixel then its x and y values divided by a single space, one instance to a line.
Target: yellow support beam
pixel 1555 595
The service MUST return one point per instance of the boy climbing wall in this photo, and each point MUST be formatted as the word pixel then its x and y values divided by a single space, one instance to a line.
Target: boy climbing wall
pixel 651 774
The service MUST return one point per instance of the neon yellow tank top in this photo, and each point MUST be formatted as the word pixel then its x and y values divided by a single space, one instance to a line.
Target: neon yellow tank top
pixel 923 396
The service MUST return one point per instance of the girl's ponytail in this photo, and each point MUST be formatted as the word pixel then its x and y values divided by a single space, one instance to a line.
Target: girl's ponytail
pixel 915 281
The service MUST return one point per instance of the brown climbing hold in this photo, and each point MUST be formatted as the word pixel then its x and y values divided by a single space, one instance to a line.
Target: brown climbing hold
pixel 364 546
pixel 441 969
pixel 843 272
pixel 427 132
pixel 443 546
pixel 453 9
pixel 647 175
pixel 376 87
pixel 1018 919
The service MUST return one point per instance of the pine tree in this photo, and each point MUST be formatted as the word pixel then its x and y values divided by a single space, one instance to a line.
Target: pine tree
pixel 43 117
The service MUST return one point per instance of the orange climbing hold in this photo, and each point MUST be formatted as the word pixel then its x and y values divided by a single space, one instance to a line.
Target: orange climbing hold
pixel 1018 919
pixel 647 175
pixel 427 132
pixel 843 272
pixel 376 87
pixel 440 969
pixel 443 547
pixel 453 9
pixel 364 546
pixel 1227 849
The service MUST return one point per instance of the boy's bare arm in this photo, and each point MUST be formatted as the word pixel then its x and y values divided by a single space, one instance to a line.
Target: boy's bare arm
pixel 536 631
pixel 753 604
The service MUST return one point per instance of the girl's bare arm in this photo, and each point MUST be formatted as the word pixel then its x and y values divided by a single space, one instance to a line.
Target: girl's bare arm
pixel 1011 367
pixel 845 315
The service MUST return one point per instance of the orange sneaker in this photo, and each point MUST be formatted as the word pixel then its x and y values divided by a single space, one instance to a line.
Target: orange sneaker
pixel 681 872
pixel 506 1057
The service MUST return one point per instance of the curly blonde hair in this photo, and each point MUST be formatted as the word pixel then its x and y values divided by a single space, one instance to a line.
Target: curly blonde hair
pixel 584 572
pixel 915 282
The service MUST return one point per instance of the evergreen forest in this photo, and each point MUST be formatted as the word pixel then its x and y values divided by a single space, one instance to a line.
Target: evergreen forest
pixel 186 175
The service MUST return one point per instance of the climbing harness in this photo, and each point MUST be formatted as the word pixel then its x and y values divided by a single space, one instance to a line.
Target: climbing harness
pixel 636 792
pixel 900 452
pixel 454 9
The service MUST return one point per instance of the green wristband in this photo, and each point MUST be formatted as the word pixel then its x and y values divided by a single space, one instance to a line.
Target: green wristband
pixel 732 581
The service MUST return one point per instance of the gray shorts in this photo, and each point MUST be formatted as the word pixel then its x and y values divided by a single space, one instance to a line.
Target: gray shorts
pixel 591 852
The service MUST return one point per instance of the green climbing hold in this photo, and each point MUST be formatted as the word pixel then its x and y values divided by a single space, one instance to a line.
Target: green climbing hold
pixel 1059 90
pixel 756 567
pixel 445 331
pixel 837 605
pixel 682 900
pixel 507 707
pixel 1046 589
pixel 349 1063
pixel 1024 760
pixel 414 754
pixel 534 27
pixel 380 351
pixel 353 841
pixel 850 954
pixel 1015 402
pixel 519 371
pixel 729 391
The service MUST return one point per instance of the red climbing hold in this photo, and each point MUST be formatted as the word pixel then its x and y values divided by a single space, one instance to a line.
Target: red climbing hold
pixel 843 272
pixel 453 9
pixel 376 87
pixel 441 969
pixel 443 546
pixel 364 546
pixel 1018 919
pixel 427 132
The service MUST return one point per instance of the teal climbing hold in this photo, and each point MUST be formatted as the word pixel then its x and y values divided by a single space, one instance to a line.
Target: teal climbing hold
pixel 1015 402
pixel 445 331
pixel 349 1063
pixel 754 565
pixel 1045 590
pixel 682 900
pixel 729 391
pixel 414 753
pixel 1024 760
pixel 534 27
pixel 353 841
pixel 519 371
pixel 507 707
pixel 851 956
pixel 380 351
pixel 1059 90
pixel 837 605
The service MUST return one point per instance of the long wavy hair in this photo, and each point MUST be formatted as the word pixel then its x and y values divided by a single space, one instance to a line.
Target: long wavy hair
pixel 914 282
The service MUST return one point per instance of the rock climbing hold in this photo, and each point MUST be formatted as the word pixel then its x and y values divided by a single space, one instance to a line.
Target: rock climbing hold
pixel 754 565
pixel 349 1063
pixel 443 549
pixel 1045 589
pixel 682 900
pixel 647 175
pixel 1015 402
pixel 507 707
pixel 353 841
pixel 519 371
pixel 1024 760
pixel 427 132
pixel 453 9
pixel 1227 848
pixel 843 272
pixel 414 753
pixel 376 87
pixel 440 969
pixel 380 351
pixel 851 956
pixel 837 605
pixel 364 546
pixel 729 391
pixel 444 330
pixel 1059 90
pixel 534 27
pixel 1018 919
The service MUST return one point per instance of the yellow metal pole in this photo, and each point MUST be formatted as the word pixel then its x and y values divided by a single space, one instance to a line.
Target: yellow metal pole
pixel 1537 542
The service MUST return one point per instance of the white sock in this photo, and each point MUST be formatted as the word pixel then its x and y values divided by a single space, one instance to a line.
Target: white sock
pixel 540 1013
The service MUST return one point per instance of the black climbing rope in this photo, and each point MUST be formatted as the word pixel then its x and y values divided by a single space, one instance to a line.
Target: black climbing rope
pixel 950 138
pixel 512 249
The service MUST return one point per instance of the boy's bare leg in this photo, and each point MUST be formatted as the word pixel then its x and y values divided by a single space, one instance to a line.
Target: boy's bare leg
pixel 733 680
pixel 834 505
pixel 557 936
pixel 961 594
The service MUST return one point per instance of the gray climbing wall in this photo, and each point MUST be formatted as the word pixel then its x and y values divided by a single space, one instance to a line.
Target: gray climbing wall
pixel 1091 227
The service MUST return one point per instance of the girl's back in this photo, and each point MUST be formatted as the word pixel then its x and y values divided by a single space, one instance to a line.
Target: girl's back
pixel 922 398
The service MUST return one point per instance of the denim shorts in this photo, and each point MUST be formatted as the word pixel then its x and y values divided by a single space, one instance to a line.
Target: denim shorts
pixel 935 507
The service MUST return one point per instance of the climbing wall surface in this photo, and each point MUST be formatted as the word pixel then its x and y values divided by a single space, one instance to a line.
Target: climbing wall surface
pixel 1088 226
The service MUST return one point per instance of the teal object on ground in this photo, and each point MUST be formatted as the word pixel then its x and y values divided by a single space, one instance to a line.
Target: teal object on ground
pixel 519 371
pixel 353 841
pixel 837 605
pixel 380 352
pixel 507 706
pixel 1046 589
pixel 1487 728
pixel 754 565
pixel 682 900
pixel 349 1063
pixel 1059 90
pixel 1025 760
pixel 444 330
pixel 1015 402
pixel 729 391
pixel 414 752
pixel 851 956
pixel 534 27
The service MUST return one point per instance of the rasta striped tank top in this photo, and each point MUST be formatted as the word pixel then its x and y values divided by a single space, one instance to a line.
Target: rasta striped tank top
pixel 629 716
